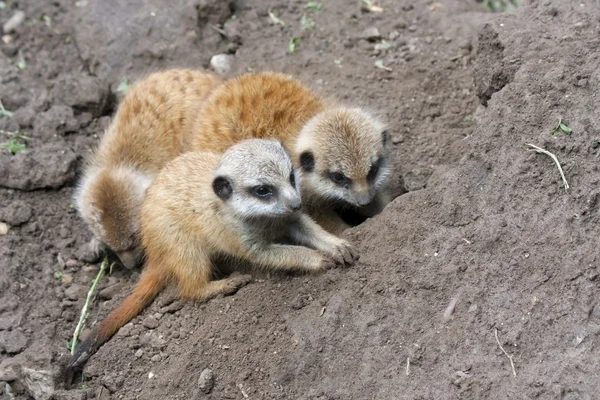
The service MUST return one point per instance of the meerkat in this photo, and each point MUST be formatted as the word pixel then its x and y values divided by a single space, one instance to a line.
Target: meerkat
pixel 243 206
pixel 342 151
pixel 144 135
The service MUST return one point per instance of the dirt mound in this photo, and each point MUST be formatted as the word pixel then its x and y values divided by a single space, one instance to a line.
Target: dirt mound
pixel 485 240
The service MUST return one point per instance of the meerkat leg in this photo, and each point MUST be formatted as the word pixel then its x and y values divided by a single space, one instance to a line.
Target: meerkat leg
pixel 307 232
pixel 194 281
pixel 290 258
pixel 328 220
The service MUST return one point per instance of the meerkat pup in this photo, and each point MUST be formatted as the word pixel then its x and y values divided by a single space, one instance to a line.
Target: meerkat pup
pixel 146 133
pixel 342 151
pixel 243 206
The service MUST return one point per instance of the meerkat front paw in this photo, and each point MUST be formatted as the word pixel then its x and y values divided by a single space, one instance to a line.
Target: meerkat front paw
pixel 343 253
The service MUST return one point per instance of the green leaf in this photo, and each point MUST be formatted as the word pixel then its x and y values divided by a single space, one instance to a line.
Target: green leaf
pixel 14 144
pixel 337 61
pixel 123 87
pixel 292 44
pixel 565 128
pixel 21 64
pixel 58 274
pixel 306 23
pixel 314 5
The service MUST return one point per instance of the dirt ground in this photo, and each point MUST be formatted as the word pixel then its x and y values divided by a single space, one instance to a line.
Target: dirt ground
pixel 481 221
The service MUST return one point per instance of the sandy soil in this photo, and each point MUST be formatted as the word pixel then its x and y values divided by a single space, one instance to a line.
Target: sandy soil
pixel 480 221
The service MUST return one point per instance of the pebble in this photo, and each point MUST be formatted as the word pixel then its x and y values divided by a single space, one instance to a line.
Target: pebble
pixel 12 342
pixel 16 213
pixel 3 229
pixel 109 292
pixel 150 322
pixel 221 63
pixel 206 381
pixel 371 34
pixel 75 292
pixel 139 353
pixel 155 358
pixel 14 22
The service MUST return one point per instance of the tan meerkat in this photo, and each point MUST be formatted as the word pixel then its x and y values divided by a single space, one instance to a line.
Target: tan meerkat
pixel 144 135
pixel 243 206
pixel 342 150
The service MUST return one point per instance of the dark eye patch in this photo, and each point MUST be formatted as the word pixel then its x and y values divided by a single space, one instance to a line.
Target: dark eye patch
pixel 374 169
pixel 293 179
pixel 307 161
pixel 339 178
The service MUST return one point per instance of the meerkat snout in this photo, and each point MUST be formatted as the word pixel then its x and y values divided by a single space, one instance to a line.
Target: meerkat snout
pixel 257 179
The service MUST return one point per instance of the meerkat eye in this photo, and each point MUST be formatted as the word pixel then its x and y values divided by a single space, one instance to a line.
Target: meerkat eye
pixel 338 178
pixel 263 191
pixel 293 179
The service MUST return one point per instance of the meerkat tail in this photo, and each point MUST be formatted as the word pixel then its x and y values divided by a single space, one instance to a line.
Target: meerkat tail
pixel 149 286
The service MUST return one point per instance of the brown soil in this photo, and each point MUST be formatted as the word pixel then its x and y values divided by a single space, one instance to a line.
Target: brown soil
pixel 484 222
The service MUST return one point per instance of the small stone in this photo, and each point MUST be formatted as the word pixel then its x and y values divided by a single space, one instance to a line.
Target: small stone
pixel 14 22
pixel 12 342
pixel 394 35
pixel 111 291
pixel 139 353
pixel 206 381
pixel 3 229
pixel 150 322
pixel 71 263
pixel 151 375
pixel 155 358
pixel 158 316
pixel 221 63
pixel 75 292
pixel 397 139
pixel 16 213
pixel 371 34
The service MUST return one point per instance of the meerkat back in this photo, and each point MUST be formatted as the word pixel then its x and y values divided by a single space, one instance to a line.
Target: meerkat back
pixel 147 131
pixel 264 105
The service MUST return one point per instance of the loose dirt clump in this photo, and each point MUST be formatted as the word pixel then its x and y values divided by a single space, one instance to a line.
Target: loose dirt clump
pixel 483 238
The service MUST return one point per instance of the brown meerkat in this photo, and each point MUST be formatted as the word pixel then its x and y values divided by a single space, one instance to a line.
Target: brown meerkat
pixel 242 206
pixel 342 150
pixel 144 135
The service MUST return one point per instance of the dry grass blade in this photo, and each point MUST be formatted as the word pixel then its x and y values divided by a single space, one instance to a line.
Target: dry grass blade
pixel 83 315
pixel 546 152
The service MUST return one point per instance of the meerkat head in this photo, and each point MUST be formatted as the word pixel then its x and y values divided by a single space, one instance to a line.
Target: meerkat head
pixel 255 179
pixel 343 155
pixel 110 200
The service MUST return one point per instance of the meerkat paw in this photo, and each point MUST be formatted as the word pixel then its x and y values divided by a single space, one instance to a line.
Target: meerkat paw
pixel 344 253
pixel 234 283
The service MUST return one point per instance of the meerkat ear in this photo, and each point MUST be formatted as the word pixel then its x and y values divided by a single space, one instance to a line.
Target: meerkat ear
pixel 222 187
pixel 384 136
pixel 307 161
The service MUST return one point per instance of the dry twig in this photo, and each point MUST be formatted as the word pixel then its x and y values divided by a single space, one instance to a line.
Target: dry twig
pixel 510 358
pixel 546 152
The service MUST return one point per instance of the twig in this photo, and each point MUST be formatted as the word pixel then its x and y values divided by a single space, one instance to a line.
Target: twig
pixel 83 315
pixel 407 366
pixel 546 152
pixel 510 358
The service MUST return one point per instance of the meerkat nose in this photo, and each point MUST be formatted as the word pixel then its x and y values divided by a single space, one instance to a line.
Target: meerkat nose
pixel 362 198
pixel 296 204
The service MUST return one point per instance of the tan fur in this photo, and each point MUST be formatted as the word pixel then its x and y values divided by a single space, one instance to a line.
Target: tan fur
pixel 274 105
pixel 185 226
pixel 146 133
